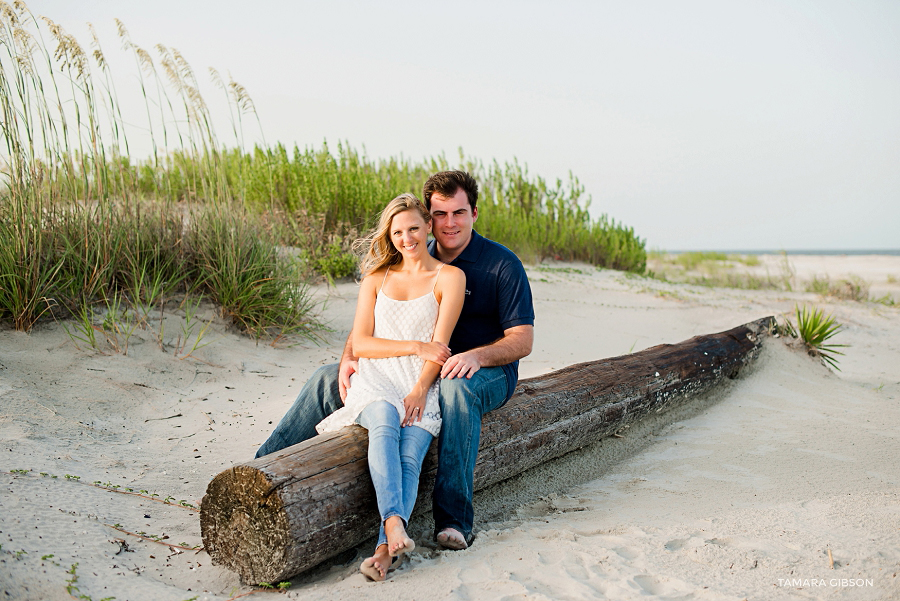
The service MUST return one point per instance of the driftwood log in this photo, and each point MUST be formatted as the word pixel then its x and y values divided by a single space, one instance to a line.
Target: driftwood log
pixel 274 517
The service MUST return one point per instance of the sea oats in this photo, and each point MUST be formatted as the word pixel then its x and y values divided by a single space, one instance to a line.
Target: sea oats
pixel 24 41
pixel 53 27
pixel 171 73
pixel 214 75
pixel 145 60
pixel 168 66
pixel 68 51
pixel 78 56
pixel 123 33
pixel 241 96
pixel 195 96
pixel 7 11
pixel 25 65
pixel 184 68
pixel 98 53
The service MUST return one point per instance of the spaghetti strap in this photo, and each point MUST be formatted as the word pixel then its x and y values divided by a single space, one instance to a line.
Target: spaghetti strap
pixel 433 286
pixel 384 279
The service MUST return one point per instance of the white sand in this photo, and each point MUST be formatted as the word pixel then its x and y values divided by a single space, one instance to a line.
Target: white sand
pixel 747 492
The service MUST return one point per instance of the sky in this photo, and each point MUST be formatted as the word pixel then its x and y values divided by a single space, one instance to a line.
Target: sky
pixel 712 125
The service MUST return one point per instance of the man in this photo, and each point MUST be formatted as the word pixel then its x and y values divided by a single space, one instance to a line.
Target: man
pixel 494 331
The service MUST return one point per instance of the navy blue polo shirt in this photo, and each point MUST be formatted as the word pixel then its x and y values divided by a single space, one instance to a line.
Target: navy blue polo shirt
pixel 498 297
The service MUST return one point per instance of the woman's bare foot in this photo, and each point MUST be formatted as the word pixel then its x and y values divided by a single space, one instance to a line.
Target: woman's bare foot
pixel 376 567
pixel 398 541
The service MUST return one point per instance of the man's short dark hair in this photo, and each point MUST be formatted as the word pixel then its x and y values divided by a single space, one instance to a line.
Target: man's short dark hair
pixel 447 183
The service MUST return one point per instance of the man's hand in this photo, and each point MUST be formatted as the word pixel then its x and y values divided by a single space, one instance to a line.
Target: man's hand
pixel 515 344
pixel 347 368
pixel 463 365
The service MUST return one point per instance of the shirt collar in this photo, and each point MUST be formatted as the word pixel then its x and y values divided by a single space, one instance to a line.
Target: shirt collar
pixel 470 253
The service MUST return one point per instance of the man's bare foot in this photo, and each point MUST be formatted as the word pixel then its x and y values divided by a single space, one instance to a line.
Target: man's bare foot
pixel 376 567
pixel 451 538
pixel 398 541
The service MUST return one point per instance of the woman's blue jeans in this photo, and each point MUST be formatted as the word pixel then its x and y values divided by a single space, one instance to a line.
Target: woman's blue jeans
pixel 395 460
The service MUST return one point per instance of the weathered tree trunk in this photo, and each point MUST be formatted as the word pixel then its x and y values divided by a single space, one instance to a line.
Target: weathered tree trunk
pixel 273 517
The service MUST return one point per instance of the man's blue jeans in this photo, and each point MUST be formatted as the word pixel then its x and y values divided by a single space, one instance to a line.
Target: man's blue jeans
pixel 463 403
pixel 395 460
pixel 319 398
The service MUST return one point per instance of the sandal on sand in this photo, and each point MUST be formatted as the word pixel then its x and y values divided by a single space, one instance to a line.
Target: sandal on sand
pixel 451 538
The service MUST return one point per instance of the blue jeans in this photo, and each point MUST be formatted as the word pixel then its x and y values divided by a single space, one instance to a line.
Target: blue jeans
pixel 395 460
pixel 463 403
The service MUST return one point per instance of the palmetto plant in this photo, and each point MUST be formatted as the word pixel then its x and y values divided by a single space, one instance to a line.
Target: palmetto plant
pixel 815 328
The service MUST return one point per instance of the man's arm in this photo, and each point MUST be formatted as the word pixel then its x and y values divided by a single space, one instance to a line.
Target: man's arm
pixel 515 344
pixel 348 366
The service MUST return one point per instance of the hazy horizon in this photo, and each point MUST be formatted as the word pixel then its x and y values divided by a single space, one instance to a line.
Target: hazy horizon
pixel 792 251
pixel 701 125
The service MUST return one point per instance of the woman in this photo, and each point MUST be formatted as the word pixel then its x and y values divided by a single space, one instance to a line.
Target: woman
pixel 407 308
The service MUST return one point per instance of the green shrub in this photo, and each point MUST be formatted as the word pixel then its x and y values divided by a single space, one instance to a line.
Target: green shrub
pixel 690 260
pixel 28 266
pixel 853 288
pixel 748 260
pixel 887 300
pixel 333 262
pixel 814 328
pixel 234 261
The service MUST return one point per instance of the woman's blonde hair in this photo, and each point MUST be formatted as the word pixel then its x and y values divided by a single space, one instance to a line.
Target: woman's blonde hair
pixel 377 249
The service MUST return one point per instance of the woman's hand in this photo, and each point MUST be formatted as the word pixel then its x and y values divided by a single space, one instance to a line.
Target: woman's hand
pixel 415 406
pixel 436 352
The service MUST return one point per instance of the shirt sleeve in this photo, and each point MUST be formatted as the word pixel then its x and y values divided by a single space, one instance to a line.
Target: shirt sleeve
pixel 516 307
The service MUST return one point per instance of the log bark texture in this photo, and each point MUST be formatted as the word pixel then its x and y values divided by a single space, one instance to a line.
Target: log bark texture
pixel 274 517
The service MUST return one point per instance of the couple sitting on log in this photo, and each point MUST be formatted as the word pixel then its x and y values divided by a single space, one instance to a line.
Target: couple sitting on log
pixel 436 341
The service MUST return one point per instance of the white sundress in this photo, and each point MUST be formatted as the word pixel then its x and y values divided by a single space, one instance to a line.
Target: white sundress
pixel 391 378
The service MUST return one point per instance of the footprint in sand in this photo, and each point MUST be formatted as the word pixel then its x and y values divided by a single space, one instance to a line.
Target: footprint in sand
pixel 719 542
pixel 652 585
pixel 627 552
pixel 676 544
pixel 667 588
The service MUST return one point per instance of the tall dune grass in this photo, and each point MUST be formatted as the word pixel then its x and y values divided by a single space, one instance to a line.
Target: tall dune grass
pixel 82 226
pixel 82 222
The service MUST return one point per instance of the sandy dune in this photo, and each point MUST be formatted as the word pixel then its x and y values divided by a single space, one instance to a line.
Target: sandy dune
pixel 742 495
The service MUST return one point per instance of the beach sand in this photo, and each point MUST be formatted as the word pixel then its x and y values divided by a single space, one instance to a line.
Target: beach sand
pixel 784 484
